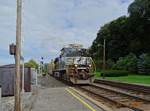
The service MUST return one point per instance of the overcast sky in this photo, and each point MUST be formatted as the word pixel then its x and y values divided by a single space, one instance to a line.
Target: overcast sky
pixel 48 25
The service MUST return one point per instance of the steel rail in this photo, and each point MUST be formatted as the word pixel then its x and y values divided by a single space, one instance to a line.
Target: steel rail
pixel 132 87
pixel 114 97
pixel 121 92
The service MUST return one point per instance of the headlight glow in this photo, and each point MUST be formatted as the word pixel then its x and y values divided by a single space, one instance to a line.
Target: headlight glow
pixel 76 65
pixel 90 65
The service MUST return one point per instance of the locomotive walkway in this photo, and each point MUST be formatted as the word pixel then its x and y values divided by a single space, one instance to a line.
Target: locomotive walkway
pixel 56 96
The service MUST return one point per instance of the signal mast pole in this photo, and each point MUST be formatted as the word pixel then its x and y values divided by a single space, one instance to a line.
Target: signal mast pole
pixel 17 57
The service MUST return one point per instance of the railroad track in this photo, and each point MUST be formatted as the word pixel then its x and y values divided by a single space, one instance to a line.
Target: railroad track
pixel 139 91
pixel 116 97
pixel 134 87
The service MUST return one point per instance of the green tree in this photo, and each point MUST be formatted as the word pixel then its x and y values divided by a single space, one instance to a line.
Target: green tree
pixel 144 64
pixel 116 40
pixel 128 62
pixel 126 34
pixel 139 26
pixel 110 63
pixel 32 63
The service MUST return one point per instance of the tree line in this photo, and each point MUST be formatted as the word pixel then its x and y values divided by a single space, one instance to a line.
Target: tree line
pixel 126 37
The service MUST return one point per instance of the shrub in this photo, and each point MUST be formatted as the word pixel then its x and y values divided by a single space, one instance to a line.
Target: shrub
pixel 144 64
pixel 114 73
pixel 128 62
pixel 97 74
pixel 98 64
pixel 110 63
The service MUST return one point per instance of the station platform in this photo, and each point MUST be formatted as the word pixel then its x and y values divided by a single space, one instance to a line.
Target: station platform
pixel 61 99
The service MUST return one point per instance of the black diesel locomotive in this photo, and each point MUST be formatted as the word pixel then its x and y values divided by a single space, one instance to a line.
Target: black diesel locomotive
pixel 73 65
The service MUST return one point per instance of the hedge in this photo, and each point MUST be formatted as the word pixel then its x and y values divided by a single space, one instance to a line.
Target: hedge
pixel 114 73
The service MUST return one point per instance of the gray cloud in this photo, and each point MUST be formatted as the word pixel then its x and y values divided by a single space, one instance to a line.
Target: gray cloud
pixel 48 25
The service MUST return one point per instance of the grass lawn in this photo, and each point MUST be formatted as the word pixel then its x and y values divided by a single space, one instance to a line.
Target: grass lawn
pixel 132 79
pixel 140 79
pixel 97 74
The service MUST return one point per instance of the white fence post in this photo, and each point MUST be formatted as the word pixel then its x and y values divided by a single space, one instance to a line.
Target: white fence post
pixel 36 78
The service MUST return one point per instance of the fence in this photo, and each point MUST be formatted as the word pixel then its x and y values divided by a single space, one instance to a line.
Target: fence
pixel 7 75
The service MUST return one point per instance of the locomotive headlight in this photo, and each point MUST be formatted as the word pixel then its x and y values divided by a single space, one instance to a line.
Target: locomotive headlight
pixel 76 65
pixel 90 65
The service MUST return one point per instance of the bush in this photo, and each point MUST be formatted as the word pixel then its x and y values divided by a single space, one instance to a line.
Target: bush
pixel 114 73
pixel 110 63
pixel 128 62
pixel 144 64
pixel 97 74
pixel 99 64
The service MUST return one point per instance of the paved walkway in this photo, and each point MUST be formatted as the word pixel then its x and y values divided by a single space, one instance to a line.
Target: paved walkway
pixel 59 99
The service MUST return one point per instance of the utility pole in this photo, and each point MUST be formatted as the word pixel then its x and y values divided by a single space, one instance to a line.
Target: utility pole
pixel 104 54
pixel 17 57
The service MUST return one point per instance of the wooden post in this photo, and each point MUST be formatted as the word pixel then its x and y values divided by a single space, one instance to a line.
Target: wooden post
pixel 104 56
pixel 17 57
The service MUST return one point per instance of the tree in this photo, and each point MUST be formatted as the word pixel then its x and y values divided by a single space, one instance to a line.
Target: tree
pixel 116 41
pixel 139 25
pixel 144 64
pixel 128 62
pixel 126 34
pixel 110 63
pixel 32 63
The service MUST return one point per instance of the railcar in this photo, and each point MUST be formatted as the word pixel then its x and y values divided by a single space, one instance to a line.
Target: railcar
pixel 74 65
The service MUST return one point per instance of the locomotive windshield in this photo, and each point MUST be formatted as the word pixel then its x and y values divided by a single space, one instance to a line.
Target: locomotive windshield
pixel 73 52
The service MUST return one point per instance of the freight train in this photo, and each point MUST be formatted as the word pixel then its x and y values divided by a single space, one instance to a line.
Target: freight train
pixel 73 65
